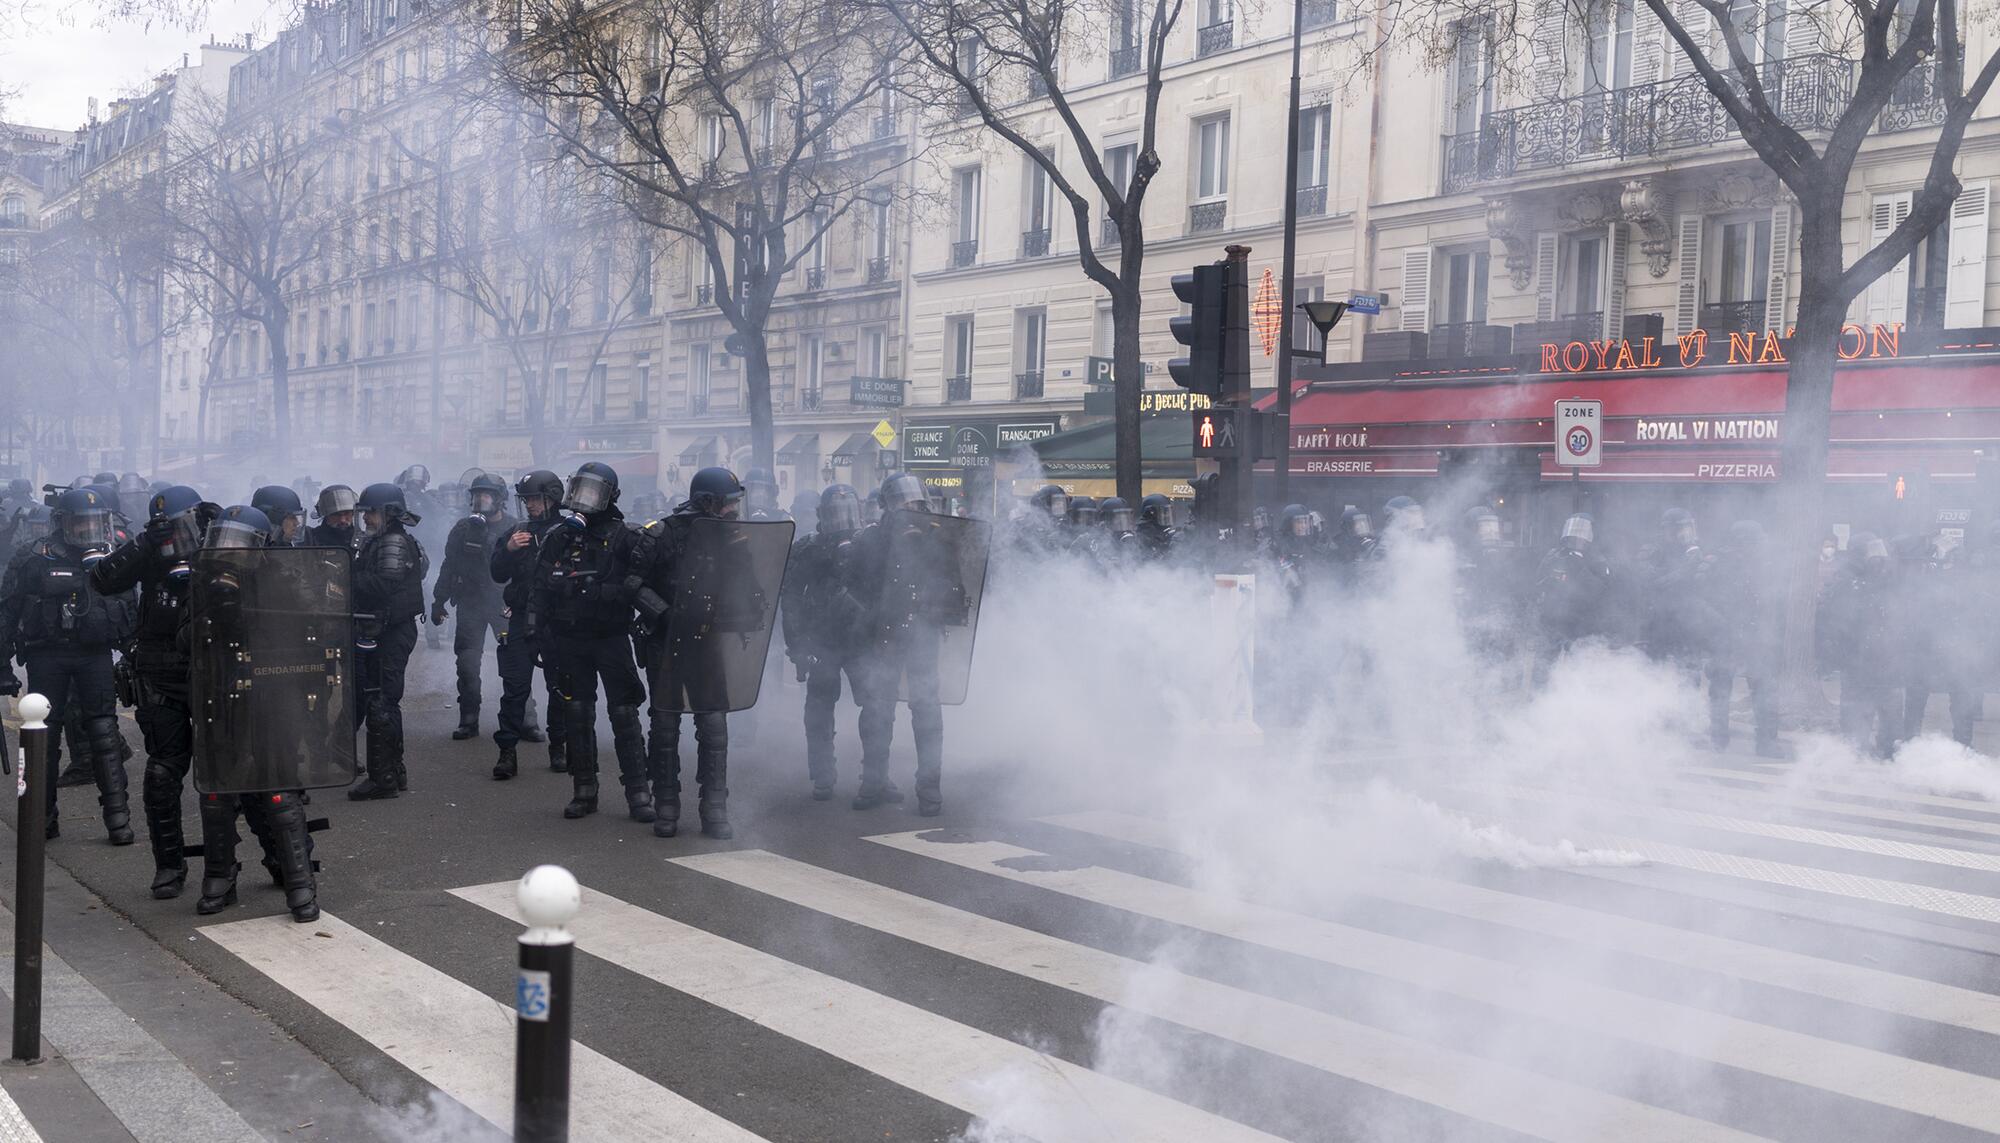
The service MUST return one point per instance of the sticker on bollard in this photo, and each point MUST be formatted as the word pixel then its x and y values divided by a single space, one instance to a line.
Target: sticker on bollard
pixel 531 995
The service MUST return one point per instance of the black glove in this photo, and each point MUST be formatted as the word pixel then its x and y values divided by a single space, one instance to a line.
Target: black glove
pixel 10 683
pixel 158 531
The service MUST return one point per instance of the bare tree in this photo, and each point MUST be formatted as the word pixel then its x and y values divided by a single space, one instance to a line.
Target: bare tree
pixel 250 190
pixel 535 248
pixel 1805 120
pixel 748 130
pixel 215 301
pixel 994 60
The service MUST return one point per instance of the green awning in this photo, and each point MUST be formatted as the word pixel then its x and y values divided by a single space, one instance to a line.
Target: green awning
pixel 803 447
pixel 1166 448
pixel 856 445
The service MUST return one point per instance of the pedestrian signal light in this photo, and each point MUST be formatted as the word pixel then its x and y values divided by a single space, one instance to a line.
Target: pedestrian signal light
pixel 1202 329
pixel 1902 487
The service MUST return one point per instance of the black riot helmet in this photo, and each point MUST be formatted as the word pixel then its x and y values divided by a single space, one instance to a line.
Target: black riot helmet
pixel 1578 530
pixel 1482 526
pixel 1677 526
pixel 715 491
pixel 762 488
pixel 593 489
pixel 240 526
pixel 839 509
pixel 1404 513
pixel 385 501
pixel 542 484
pixel 335 499
pixel 180 506
pixel 1115 514
pixel 1051 501
pixel 1156 511
pixel 20 488
pixel 1082 512
pixel 904 491
pixel 132 482
pixel 486 494
pixel 82 518
pixel 282 506
pixel 416 477
pixel 1354 523
pixel 107 479
pixel 1295 521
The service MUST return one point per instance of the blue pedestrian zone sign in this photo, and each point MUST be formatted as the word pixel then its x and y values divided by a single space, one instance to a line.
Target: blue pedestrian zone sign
pixel 1361 303
pixel 531 995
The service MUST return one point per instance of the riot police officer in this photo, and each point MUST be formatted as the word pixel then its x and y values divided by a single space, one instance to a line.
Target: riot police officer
pixel 715 493
pixel 64 629
pixel 822 621
pixel 1354 540
pixel 133 494
pixel 422 504
pixel 466 583
pixel 276 817
pixel 1292 547
pixel 760 501
pixel 587 578
pixel 156 563
pixel 335 512
pixel 1157 531
pixel 1678 623
pixel 1740 587
pixel 1858 636
pixel 1042 526
pixel 284 509
pixel 1573 587
pixel 521 643
pixel 388 596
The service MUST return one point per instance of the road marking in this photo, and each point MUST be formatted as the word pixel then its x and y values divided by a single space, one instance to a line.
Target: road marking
pixel 1776 831
pixel 1853 984
pixel 1494 1093
pixel 14 1126
pixel 1801 780
pixel 1025 1091
pixel 1881 1077
pixel 1781 801
pixel 454 1036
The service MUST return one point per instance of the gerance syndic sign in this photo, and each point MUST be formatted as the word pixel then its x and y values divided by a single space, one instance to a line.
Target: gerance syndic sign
pixel 1696 349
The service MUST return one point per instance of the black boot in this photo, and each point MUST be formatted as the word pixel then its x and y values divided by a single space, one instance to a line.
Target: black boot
pixel 104 738
pixel 884 794
pixel 558 758
pixel 161 797
pixel 507 766
pixel 667 807
pixel 381 780
pixel 468 724
pixel 712 771
pixel 77 773
pixel 294 854
pixel 218 847
pixel 583 802
pixel 628 740
pixel 372 788
pixel 639 803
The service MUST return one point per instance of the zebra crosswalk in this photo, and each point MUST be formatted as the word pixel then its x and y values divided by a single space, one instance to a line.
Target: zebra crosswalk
pixel 1078 978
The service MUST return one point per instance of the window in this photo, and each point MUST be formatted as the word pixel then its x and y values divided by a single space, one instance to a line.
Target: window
pixel 1463 299
pixel 1606 65
pixel 1040 206
pixel 642 386
pixel 13 211
pixel 559 391
pixel 1582 283
pixel 1215 12
pixel 810 355
pixel 958 358
pixel 1212 145
pixel 368 328
pixel 1762 32
pixel 698 377
pixel 1103 332
pixel 600 294
pixel 1030 340
pixel 1470 79
pixel 767 124
pixel 1742 265
pixel 819 236
pixel 1315 143
pixel 1119 163
pixel 389 326
pixel 714 136
pixel 874 352
pixel 878 235
pixel 600 383
pixel 1304 336
pixel 965 204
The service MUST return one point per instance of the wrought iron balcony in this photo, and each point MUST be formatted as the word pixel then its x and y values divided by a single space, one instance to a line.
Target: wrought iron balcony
pixel 958 389
pixel 1469 339
pixel 815 277
pixel 885 126
pixel 810 400
pixel 1034 243
pixel 1644 121
pixel 1312 200
pixel 878 270
pixel 1724 318
pixel 697 403
pixel 1038 88
pixel 1124 60
pixel 1107 234
pixel 1318 14
pixel 964 253
pixel 1215 38
pixel 1203 216
pixel 1916 101
pixel 1568 327
pixel 1028 386
pixel 704 294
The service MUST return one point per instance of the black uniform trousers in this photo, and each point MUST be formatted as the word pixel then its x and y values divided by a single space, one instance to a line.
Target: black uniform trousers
pixel 81 676
pixel 383 671
pixel 167 723
pixel 468 644
pixel 908 659
pixel 579 664
pixel 516 657
pixel 822 695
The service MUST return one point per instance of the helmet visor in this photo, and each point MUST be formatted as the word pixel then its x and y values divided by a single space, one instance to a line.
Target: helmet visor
pixel 1301 525
pixel 1360 526
pixel 485 501
pixel 1410 519
pixel 1876 549
pixel 185 539
pixel 1579 528
pixel 1058 505
pixel 1681 532
pixel 840 514
pixel 1119 519
pixel 230 534
pixel 588 492
pixel 904 492
pixel 1489 530
pixel 333 501
pixel 87 529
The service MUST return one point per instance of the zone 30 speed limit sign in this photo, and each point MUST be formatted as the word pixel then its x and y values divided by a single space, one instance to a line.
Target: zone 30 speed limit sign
pixel 1580 433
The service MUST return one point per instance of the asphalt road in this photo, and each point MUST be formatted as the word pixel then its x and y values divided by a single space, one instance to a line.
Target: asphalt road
pixel 1824 970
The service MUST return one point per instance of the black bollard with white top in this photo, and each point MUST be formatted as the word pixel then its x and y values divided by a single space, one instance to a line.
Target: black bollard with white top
pixel 549 898
pixel 30 844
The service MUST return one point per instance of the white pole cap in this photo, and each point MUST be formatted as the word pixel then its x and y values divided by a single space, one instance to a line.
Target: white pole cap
pixel 549 898
pixel 33 709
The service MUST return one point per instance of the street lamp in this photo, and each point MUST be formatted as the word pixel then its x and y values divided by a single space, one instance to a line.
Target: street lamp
pixel 1324 315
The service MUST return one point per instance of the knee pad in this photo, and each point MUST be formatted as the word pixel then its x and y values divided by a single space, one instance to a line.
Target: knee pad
pixel 162 783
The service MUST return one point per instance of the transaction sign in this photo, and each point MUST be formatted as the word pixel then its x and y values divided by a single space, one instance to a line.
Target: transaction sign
pixel 1580 433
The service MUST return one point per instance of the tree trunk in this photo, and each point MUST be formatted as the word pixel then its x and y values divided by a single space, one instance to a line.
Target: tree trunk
pixel 757 394
pixel 1128 378
pixel 1803 451
pixel 277 323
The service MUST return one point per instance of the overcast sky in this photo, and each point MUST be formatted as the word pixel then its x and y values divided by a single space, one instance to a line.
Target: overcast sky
pixel 54 55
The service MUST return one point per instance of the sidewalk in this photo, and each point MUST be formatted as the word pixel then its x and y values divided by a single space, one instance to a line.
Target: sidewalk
pixel 138 1048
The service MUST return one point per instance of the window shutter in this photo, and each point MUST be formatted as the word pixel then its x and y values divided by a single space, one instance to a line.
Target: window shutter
pixel 1650 47
pixel 1546 49
pixel 1417 289
pixel 1694 18
pixel 1617 251
pixel 1887 294
pixel 1802 29
pixel 1965 280
pixel 1546 248
pixel 1687 304
pixel 1781 277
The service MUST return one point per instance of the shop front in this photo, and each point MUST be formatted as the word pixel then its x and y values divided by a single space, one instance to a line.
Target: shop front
pixel 956 459
pixel 1081 460
pixel 1912 432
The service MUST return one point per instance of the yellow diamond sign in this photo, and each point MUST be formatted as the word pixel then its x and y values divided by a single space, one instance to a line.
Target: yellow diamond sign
pixel 884 434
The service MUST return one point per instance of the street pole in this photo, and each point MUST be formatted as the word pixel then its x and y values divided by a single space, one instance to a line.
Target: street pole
pixel 549 898
pixel 30 843
pixel 1281 464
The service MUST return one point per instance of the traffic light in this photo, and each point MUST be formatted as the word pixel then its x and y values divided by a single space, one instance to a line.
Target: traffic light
pixel 1203 330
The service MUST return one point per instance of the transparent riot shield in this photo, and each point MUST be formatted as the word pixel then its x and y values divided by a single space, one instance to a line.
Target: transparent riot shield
pixel 719 620
pixel 934 574
pixel 272 673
